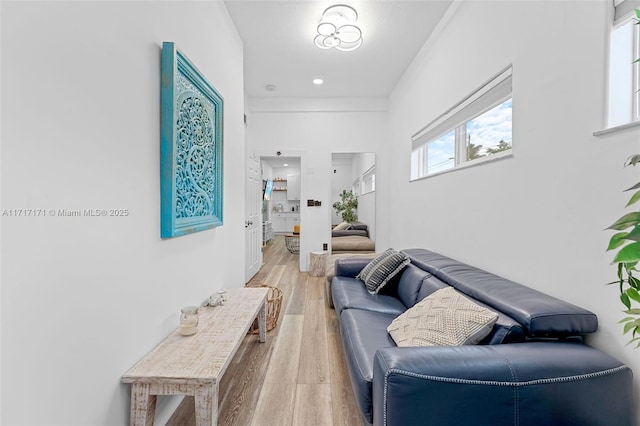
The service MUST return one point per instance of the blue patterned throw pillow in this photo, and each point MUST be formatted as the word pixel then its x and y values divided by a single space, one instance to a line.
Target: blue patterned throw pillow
pixel 380 270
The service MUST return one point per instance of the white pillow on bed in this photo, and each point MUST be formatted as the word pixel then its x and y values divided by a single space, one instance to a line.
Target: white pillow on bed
pixel 342 226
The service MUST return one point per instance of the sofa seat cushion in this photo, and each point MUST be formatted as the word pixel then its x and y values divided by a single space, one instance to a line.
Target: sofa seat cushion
pixel 350 293
pixel 363 333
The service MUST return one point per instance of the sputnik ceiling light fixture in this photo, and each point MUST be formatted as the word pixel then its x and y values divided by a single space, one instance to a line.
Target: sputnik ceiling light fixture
pixel 338 29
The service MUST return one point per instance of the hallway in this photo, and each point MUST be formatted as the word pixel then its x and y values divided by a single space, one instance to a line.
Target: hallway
pixel 298 377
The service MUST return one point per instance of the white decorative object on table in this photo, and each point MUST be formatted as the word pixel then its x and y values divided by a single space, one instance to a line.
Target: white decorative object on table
pixel 189 320
pixel 218 298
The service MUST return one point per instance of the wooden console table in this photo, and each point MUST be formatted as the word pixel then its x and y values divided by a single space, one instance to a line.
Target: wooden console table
pixel 194 365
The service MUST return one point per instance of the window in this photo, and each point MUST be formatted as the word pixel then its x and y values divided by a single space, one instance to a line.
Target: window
pixel 624 74
pixel 476 129
pixel 369 180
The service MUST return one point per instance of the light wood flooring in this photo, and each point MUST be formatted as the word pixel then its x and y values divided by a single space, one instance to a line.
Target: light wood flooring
pixel 298 377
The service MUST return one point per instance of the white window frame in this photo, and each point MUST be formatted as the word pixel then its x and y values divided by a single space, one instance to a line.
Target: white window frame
pixel 369 181
pixel 494 92
pixel 355 187
pixel 624 15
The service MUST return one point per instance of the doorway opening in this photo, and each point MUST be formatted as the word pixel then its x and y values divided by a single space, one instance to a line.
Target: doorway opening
pixel 281 201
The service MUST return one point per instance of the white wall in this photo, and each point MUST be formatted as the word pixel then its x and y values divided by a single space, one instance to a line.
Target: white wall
pixel 84 298
pixel 539 217
pixel 307 128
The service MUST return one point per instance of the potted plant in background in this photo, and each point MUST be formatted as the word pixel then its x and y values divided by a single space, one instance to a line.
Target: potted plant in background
pixel 347 206
pixel 627 244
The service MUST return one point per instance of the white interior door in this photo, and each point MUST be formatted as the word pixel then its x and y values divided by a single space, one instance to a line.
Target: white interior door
pixel 253 218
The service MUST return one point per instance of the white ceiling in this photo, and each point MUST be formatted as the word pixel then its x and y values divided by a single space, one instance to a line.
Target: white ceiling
pixel 277 162
pixel 279 50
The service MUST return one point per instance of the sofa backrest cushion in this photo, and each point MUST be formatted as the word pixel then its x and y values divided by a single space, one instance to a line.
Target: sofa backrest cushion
pixel 410 284
pixel 505 330
pixel 540 314
pixel 429 285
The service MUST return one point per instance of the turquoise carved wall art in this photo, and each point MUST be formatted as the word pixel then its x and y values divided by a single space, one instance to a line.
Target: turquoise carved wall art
pixel 191 187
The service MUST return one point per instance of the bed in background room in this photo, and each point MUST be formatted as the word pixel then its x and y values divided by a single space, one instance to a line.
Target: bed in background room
pixel 351 238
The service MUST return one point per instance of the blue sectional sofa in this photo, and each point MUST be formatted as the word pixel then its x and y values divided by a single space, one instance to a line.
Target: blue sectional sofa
pixel 532 369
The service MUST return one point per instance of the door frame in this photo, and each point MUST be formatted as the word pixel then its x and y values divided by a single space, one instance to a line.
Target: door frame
pixel 304 251
pixel 253 219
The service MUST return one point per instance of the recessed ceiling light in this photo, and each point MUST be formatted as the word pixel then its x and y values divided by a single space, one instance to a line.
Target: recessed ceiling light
pixel 317 81
pixel 286 165
pixel 270 87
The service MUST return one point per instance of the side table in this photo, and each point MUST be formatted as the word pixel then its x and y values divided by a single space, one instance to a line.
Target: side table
pixel 318 263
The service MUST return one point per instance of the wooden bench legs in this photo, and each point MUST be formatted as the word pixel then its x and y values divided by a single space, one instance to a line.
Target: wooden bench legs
pixel 143 402
pixel 143 405
pixel 206 398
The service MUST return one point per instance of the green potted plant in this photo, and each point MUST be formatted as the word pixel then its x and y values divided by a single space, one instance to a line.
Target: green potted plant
pixel 627 246
pixel 347 206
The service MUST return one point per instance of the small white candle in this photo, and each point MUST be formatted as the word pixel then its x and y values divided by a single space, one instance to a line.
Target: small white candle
pixel 189 320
